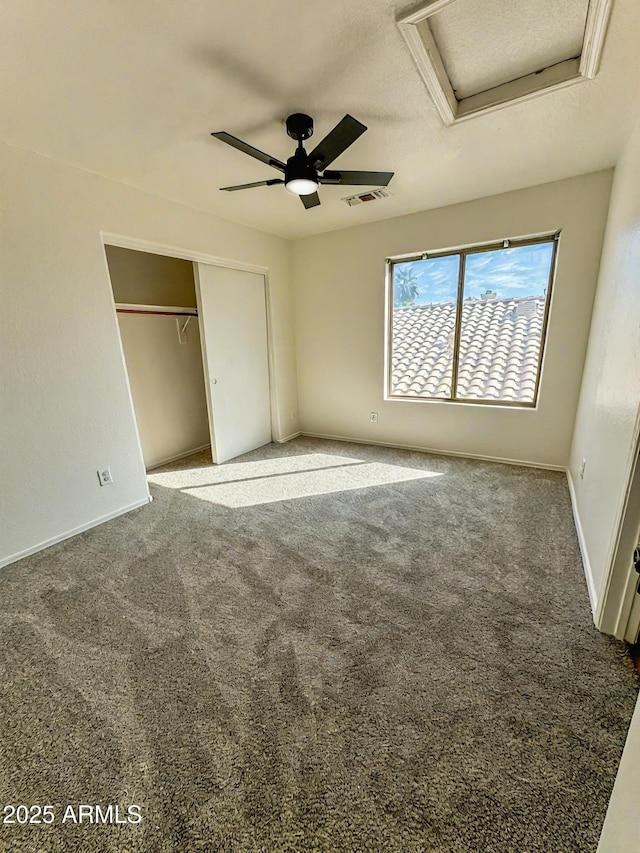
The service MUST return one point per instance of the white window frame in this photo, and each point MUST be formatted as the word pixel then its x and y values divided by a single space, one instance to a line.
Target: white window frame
pixel 415 29
pixel 463 251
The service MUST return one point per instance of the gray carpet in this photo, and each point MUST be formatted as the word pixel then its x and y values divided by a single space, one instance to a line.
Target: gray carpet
pixel 400 665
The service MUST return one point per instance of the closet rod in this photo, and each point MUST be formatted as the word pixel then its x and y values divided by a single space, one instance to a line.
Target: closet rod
pixel 164 310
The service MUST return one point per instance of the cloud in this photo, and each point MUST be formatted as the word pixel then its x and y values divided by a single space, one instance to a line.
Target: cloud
pixel 520 271
pixel 515 272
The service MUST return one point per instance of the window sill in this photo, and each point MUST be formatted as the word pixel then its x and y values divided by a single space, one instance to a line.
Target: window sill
pixel 488 404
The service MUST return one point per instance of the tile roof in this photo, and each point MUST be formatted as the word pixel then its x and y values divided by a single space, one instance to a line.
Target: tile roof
pixel 499 349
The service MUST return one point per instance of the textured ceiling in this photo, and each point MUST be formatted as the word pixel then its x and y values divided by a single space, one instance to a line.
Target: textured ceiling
pixel 132 90
pixel 495 41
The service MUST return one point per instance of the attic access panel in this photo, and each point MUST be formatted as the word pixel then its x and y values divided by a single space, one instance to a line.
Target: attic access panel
pixel 477 57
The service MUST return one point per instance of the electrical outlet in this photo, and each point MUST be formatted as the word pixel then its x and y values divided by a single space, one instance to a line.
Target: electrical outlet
pixel 105 477
pixel 582 467
pixel 373 417
pixel 293 416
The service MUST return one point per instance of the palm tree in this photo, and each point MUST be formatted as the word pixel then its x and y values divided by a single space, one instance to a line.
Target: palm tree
pixel 405 286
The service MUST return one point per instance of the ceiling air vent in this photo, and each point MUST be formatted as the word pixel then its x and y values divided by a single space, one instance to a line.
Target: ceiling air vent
pixel 370 195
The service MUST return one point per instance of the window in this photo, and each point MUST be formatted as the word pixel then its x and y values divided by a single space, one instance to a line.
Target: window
pixel 469 325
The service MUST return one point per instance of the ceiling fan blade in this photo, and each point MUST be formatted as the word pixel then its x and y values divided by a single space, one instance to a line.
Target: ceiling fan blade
pixel 372 179
pixel 311 200
pixel 336 141
pixel 223 136
pixel 269 183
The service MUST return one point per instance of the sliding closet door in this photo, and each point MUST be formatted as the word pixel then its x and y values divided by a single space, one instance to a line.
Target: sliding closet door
pixel 233 331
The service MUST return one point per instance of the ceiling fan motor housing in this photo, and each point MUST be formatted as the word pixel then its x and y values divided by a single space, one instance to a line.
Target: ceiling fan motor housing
pixel 298 167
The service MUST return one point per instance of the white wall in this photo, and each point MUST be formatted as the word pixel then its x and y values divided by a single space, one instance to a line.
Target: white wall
pixel 621 830
pixel 607 417
pixel 339 313
pixel 64 401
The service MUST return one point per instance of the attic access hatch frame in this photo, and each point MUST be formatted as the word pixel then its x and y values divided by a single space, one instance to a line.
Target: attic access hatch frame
pixel 415 29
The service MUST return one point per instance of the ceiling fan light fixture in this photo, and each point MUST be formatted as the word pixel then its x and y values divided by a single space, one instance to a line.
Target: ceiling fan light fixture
pixel 301 186
pixel 300 177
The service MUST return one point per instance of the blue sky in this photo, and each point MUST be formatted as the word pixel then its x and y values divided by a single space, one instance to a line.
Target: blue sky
pixel 520 271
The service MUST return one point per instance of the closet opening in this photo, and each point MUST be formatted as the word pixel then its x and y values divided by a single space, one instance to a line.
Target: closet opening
pixel 195 344
pixel 155 299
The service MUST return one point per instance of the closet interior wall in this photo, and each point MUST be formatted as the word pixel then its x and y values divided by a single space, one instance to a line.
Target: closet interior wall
pixel 164 366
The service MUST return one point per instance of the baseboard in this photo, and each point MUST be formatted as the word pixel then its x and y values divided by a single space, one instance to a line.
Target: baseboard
pixel 435 451
pixel 288 438
pixel 586 565
pixel 5 561
pixel 178 456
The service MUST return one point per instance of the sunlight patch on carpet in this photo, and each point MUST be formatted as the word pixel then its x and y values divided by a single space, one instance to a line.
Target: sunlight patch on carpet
pixel 271 480
pixel 209 474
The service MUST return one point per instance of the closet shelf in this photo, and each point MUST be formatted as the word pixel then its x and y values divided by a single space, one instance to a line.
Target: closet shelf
pixel 166 310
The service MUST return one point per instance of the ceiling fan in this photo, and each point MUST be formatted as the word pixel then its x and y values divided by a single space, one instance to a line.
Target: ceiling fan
pixel 303 172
